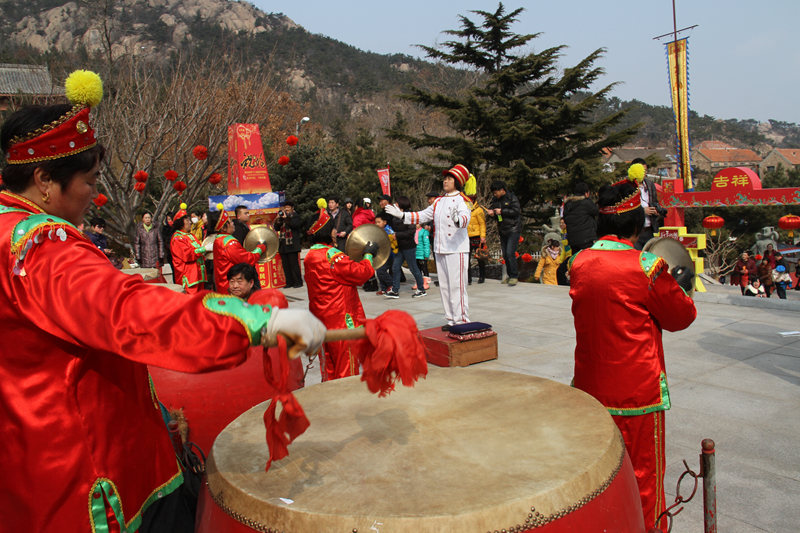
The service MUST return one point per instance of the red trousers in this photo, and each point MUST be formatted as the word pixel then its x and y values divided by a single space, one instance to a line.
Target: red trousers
pixel 644 439
pixel 339 359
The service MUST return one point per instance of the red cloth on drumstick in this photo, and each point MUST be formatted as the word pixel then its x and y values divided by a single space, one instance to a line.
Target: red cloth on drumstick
pixel 397 352
pixel 292 422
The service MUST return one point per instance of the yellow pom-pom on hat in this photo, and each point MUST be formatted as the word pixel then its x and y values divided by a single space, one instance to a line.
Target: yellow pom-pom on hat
pixel 220 207
pixel 636 172
pixel 183 205
pixel 322 203
pixel 471 186
pixel 84 87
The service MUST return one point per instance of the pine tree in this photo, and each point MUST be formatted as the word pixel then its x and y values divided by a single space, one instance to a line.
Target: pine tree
pixel 524 121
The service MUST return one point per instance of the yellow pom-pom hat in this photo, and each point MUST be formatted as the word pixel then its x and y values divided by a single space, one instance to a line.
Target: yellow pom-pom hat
pixel 636 172
pixel 181 212
pixel 322 203
pixel 70 134
pixel 323 218
pixel 223 218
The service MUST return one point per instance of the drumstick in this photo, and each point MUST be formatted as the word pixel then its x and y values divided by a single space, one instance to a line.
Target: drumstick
pixel 331 335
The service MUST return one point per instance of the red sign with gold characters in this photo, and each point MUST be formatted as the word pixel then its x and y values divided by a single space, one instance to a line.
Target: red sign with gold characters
pixel 247 168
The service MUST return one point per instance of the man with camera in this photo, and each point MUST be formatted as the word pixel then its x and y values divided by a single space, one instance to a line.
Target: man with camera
pixel 288 225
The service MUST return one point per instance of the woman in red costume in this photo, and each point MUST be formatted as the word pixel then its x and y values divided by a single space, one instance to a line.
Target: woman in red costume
pixel 621 299
pixel 187 254
pixel 84 445
pixel 227 250
pixel 333 279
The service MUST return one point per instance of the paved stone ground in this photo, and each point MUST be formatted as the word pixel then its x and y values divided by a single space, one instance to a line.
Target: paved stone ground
pixel 732 378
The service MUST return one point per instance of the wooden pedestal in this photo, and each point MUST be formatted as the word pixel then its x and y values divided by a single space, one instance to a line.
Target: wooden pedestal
pixel 441 350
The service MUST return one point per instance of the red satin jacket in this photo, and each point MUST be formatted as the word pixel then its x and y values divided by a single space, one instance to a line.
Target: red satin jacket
pixel 333 279
pixel 621 299
pixel 81 430
pixel 227 253
pixel 188 262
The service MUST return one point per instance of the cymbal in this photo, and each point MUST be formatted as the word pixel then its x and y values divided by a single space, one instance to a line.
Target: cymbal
pixel 672 252
pixel 357 240
pixel 262 234
pixel 208 244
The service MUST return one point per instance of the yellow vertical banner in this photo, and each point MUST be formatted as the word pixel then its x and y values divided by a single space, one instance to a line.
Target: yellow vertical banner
pixel 677 60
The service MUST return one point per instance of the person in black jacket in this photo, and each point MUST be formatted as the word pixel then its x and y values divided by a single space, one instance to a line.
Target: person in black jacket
pixel 653 211
pixel 288 224
pixel 580 216
pixel 240 223
pixel 506 211
pixel 407 252
pixel 342 222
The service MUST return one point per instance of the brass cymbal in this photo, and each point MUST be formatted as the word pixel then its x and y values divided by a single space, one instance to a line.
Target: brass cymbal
pixel 262 234
pixel 672 252
pixel 208 244
pixel 357 240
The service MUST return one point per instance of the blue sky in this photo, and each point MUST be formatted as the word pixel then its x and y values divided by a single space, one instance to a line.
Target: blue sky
pixel 744 55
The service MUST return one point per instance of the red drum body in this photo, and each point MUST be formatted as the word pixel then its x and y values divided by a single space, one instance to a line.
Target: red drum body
pixel 213 400
pixel 464 450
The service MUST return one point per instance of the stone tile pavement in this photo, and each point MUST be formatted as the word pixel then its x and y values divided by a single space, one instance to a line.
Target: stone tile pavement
pixel 733 378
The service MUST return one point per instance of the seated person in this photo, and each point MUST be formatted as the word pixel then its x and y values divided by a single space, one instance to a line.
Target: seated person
pixel 242 280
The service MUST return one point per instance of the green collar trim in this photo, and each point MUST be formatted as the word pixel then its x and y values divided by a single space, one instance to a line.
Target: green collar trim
pixel 104 490
pixel 650 263
pixel 320 246
pixel 663 404
pixel 31 230
pixel 611 245
pixel 253 318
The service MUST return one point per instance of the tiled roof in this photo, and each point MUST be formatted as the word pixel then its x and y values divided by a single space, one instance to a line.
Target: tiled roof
pixel 791 154
pixel 26 79
pixel 731 155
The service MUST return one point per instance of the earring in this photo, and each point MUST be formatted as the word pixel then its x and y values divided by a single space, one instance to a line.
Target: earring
pixel 46 197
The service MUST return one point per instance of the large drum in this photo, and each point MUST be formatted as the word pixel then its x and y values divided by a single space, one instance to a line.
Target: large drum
pixel 464 450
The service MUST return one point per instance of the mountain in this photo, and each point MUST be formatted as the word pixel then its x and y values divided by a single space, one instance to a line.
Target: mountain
pixel 338 83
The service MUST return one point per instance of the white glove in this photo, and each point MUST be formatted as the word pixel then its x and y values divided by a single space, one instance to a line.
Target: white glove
pixel 394 211
pixel 302 329
pixel 454 216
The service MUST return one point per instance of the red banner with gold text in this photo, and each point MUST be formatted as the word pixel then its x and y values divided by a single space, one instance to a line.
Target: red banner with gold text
pixel 247 168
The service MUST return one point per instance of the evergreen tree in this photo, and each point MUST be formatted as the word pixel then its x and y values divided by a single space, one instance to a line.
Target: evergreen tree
pixel 524 121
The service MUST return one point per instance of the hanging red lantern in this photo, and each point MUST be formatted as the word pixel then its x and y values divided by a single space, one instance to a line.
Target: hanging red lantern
pixel 179 186
pixel 521 238
pixel 139 186
pixel 200 152
pixel 171 175
pixel 101 200
pixel 215 178
pixel 713 222
pixel 141 176
pixel 283 160
pixel 789 223
pixel 527 258
pixel 291 140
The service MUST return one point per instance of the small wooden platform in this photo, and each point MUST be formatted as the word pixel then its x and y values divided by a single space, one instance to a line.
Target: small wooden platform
pixel 441 350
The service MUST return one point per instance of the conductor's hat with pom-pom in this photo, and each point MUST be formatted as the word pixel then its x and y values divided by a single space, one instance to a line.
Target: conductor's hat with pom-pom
pixel 323 219
pixel 70 134
pixel 223 217
pixel 181 212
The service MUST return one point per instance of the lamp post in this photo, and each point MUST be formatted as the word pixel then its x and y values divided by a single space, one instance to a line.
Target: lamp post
pixel 302 121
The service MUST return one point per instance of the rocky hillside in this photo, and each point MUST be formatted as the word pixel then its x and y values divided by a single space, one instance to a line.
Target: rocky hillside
pixel 337 82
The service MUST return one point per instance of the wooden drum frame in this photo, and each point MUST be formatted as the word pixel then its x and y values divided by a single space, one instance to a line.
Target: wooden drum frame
pixel 464 450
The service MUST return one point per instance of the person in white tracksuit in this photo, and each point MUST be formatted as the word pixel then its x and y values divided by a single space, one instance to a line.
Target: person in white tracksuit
pixel 450 214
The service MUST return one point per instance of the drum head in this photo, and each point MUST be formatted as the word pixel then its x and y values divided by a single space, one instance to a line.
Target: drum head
pixel 463 450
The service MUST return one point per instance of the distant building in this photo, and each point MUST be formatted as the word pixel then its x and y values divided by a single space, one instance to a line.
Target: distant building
pixel 667 166
pixel 788 158
pixel 713 156
pixel 31 82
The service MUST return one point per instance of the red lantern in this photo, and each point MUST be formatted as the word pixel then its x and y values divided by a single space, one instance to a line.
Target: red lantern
pixel 141 176
pixel 101 200
pixel 200 152
pixel 790 223
pixel 521 239
pixel 283 160
pixel 527 258
pixel 215 178
pixel 139 186
pixel 713 222
pixel 171 175
pixel 291 140
pixel 179 186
